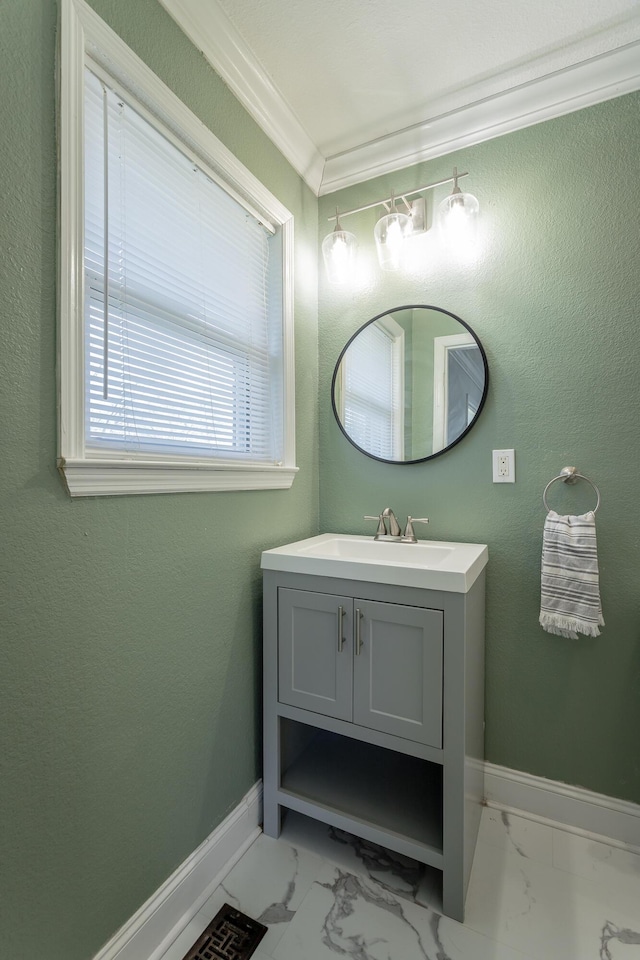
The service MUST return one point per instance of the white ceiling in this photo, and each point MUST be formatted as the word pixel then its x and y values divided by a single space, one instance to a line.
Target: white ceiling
pixel 349 89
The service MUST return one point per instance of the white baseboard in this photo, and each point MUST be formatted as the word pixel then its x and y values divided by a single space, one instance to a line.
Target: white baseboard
pixel 576 809
pixel 180 897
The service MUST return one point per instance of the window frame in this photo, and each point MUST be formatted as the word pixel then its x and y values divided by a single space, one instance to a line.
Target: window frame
pixel 85 38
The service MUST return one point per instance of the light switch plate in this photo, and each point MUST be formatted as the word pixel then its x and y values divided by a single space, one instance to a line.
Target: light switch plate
pixel 504 466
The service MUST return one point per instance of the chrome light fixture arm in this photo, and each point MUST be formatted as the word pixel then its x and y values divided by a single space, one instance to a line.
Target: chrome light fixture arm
pixel 386 203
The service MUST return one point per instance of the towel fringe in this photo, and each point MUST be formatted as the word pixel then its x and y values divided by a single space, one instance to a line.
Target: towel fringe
pixel 567 626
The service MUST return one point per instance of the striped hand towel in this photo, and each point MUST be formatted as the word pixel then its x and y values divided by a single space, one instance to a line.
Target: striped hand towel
pixel 570 595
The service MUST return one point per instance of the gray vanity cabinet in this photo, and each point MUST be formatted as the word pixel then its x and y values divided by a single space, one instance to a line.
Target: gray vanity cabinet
pixel 376 664
pixel 373 715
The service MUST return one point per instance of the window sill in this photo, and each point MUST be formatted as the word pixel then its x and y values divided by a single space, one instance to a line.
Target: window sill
pixel 107 478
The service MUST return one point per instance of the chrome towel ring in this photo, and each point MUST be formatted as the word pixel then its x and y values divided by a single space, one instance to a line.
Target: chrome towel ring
pixel 570 475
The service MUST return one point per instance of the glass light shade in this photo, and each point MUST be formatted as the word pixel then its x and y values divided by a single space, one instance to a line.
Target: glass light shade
pixel 458 219
pixel 339 253
pixel 390 233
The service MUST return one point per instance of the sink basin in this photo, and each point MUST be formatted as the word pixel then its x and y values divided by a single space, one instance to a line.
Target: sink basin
pixel 430 564
pixel 377 551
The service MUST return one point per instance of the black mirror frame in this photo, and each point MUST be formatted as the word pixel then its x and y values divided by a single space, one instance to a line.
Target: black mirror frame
pixel 385 313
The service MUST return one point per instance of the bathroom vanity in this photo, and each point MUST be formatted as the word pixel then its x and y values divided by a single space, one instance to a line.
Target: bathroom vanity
pixel 373 695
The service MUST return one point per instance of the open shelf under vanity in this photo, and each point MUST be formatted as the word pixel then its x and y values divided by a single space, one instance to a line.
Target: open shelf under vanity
pixel 392 798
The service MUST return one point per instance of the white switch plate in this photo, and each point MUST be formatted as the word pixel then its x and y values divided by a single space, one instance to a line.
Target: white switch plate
pixel 504 466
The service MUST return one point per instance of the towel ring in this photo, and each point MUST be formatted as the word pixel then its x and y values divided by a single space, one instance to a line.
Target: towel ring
pixel 570 475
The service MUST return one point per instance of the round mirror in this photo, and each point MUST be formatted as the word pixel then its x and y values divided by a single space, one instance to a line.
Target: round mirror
pixel 409 384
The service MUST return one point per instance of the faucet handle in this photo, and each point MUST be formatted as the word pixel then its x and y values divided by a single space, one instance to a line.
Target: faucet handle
pixel 409 533
pixel 382 530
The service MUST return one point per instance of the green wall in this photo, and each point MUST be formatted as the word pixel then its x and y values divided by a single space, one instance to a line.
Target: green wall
pixel 553 296
pixel 130 637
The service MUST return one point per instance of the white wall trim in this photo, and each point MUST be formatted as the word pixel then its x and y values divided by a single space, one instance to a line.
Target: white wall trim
pixel 211 31
pixel 577 809
pixel 518 105
pixel 176 902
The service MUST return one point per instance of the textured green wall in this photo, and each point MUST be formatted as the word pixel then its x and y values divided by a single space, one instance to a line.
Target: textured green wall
pixel 554 296
pixel 130 635
pixel 130 626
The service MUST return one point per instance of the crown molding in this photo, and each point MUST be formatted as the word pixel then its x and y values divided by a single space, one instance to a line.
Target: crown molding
pixel 562 91
pixel 211 31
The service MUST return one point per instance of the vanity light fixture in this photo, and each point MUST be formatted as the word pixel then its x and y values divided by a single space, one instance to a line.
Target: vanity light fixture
pixel 458 215
pixel 339 251
pixel 395 227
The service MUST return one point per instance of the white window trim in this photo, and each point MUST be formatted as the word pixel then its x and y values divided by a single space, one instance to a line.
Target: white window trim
pixel 84 35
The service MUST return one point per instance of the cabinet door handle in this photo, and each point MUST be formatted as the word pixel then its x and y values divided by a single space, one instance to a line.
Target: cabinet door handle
pixel 340 629
pixel 359 640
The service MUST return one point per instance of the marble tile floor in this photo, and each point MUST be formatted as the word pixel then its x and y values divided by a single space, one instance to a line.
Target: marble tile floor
pixel 537 892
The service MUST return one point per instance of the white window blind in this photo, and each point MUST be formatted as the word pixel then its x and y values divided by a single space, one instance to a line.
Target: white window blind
pixel 183 333
pixel 373 392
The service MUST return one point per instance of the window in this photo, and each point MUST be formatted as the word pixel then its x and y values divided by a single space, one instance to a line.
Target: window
pixel 175 315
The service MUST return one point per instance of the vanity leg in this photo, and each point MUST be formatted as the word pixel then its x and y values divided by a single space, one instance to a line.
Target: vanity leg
pixel 272 818
pixel 452 896
pixel 271 757
pixel 271 766
pixel 271 809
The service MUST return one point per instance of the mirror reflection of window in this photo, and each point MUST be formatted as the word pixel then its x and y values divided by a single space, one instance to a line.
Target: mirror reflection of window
pixel 372 389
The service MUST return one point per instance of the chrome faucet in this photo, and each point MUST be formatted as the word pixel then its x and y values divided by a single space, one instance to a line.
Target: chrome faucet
pixel 389 528
pixel 390 517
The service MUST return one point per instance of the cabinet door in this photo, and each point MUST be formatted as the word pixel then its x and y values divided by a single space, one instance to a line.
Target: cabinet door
pixel 315 652
pixel 398 670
